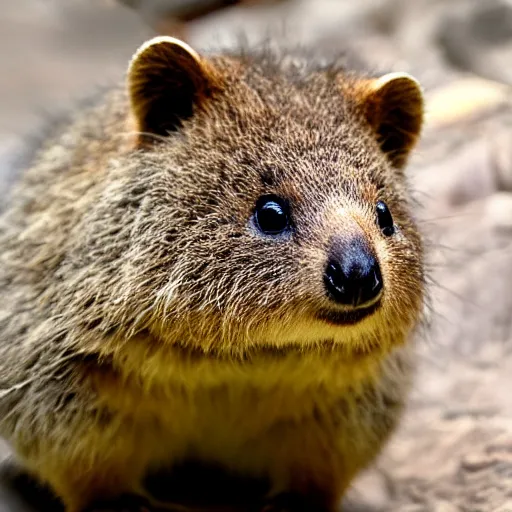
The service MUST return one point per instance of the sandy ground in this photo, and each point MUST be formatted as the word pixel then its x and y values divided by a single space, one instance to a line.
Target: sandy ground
pixel 454 450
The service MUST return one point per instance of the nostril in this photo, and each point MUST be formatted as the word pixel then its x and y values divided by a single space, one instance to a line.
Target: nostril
pixel 334 280
pixel 372 285
pixel 354 281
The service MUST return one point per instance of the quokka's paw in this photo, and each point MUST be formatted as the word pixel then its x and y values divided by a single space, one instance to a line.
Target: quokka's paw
pixel 124 503
pixel 292 502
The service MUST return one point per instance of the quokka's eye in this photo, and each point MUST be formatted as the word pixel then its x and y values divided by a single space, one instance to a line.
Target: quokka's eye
pixel 384 219
pixel 271 215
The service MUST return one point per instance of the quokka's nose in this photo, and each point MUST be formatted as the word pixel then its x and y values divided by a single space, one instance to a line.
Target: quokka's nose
pixel 352 275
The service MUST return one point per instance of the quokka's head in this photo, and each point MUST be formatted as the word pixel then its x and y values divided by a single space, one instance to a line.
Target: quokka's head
pixel 272 207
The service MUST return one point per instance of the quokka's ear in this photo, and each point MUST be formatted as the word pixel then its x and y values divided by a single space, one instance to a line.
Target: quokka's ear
pixel 167 80
pixel 393 105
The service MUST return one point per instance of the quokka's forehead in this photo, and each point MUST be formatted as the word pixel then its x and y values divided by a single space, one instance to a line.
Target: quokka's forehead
pixel 309 156
pixel 294 160
pixel 316 102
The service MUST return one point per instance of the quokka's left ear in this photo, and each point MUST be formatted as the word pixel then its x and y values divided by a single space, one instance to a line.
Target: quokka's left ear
pixel 394 107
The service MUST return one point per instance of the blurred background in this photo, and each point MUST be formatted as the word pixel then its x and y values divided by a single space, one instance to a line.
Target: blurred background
pixel 454 451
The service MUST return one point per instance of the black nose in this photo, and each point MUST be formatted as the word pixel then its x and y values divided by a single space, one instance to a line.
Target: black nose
pixel 352 276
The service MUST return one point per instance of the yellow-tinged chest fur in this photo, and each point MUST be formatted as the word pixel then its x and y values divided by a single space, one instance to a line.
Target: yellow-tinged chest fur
pixel 179 406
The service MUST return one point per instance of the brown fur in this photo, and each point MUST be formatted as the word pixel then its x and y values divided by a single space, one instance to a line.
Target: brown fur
pixel 143 322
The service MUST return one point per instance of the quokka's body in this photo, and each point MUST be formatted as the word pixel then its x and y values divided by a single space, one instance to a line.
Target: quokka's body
pixel 218 265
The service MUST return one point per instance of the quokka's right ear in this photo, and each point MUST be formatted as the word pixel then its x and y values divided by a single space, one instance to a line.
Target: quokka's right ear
pixel 167 80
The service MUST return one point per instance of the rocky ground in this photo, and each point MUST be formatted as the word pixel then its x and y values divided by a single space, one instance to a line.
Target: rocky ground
pixel 454 451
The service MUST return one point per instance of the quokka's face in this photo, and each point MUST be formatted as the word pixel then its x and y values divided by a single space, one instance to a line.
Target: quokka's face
pixel 286 204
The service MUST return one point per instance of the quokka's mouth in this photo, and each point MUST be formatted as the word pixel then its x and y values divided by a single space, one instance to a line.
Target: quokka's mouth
pixel 351 317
